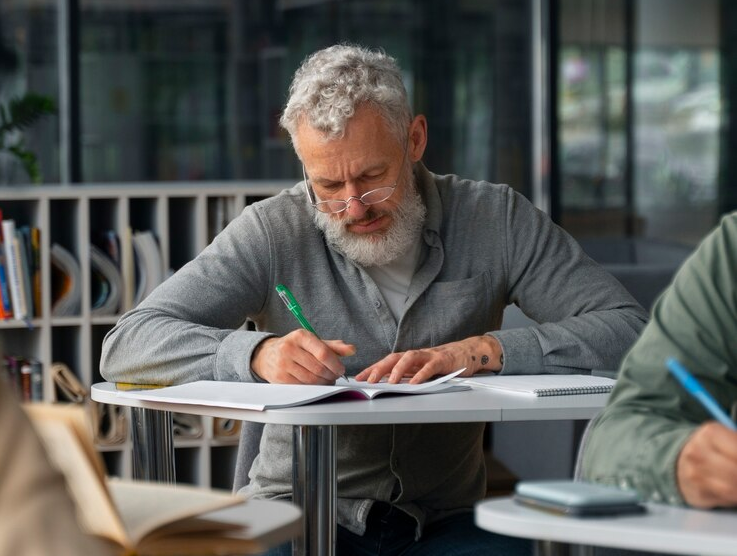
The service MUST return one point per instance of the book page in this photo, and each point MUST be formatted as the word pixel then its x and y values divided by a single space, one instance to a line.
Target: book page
pixel 238 395
pixel 147 507
pixel 263 396
pixel 75 418
pixel 96 513
pixel 437 385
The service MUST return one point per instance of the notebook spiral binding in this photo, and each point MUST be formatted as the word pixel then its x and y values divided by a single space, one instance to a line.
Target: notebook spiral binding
pixel 572 390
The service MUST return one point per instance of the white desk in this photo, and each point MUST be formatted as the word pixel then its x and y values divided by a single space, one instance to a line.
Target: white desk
pixel 662 529
pixel 313 478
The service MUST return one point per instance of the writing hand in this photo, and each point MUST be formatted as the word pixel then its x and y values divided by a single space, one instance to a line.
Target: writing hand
pixel 706 468
pixel 300 357
pixel 475 353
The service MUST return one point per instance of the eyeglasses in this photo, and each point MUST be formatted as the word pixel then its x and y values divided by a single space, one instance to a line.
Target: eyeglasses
pixel 334 206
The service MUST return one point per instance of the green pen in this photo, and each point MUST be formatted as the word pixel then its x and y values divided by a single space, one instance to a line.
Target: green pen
pixel 296 310
pixel 294 307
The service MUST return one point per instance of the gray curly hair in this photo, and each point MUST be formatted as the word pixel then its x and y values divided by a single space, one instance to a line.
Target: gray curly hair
pixel 331 83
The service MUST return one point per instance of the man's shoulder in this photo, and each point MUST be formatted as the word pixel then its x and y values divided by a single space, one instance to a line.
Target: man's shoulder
pixel 288 205
pixel 454 184
pixel 728 225
pixel 284 215
pixel 287 199
pixel 456 191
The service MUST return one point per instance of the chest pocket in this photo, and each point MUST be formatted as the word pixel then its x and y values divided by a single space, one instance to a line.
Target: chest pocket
pixel 460 308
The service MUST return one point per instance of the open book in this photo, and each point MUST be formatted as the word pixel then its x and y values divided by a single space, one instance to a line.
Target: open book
pixel 140 518
pixel 263 396
pixel 544 385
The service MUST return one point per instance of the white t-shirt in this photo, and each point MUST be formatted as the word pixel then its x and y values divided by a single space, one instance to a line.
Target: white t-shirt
pixel 393 279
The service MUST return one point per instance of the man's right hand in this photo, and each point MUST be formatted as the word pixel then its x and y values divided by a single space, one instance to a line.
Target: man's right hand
pixel 706 469
pixel 300 357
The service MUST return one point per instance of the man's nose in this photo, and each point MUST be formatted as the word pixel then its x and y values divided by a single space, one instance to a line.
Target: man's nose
pixel 356 209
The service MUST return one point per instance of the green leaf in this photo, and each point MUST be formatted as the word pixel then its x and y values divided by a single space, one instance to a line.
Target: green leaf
pixel 19 114
pixel 25 111
pixel 28 160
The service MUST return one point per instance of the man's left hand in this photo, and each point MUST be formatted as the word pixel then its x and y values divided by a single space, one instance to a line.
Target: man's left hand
pixel 475 354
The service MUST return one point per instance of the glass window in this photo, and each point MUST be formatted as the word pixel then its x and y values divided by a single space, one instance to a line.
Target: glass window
pixel 654 168
pixel 189 91
pixel 677 116
pixel 193 90
pixel 29 64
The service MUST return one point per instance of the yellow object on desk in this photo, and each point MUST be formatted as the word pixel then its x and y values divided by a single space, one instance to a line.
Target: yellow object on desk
pixel 126 386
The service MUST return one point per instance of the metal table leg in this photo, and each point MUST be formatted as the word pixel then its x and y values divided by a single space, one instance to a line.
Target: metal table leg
pixel 550 548
pixel 315 488
pixel 153 445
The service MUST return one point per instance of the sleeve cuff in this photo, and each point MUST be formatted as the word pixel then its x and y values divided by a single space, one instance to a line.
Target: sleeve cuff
pixel 233 360
pixel 521 351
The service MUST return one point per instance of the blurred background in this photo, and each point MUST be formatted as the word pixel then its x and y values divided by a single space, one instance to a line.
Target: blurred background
pixel 615 116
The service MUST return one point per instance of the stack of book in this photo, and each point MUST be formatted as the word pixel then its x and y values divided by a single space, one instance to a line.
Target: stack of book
pixel 25 375
pixel 20 273
pixel 111 290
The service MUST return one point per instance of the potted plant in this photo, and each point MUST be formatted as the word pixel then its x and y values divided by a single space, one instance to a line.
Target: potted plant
pixel 19 114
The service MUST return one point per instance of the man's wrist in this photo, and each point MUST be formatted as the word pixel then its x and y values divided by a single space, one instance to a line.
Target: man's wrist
pixel 255 364
pixel 487 355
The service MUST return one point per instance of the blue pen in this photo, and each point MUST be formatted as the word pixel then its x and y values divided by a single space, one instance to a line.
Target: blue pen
pixel 693 387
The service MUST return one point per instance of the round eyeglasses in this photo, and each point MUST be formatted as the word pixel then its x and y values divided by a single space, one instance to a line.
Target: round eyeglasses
pixel 335 206
pixel 372 197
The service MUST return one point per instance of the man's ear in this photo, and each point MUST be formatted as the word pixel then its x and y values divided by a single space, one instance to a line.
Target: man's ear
pixel 417 138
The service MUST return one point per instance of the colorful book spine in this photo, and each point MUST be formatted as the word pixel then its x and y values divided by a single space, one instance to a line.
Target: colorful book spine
pixel 36 270
pixel 6 306
pixel 26 267
pixel 32 381
pixel 12 260
pixel 13 364
pixel 21 274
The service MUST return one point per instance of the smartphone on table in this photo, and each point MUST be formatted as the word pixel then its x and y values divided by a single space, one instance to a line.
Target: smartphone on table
pixel 577 498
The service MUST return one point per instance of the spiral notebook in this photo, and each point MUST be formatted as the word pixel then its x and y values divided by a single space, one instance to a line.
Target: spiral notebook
pixel 544 385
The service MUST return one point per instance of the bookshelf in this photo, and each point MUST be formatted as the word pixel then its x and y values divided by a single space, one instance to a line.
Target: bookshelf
pixel 184 218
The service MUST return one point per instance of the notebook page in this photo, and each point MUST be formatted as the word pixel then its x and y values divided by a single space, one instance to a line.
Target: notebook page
pixel 544 385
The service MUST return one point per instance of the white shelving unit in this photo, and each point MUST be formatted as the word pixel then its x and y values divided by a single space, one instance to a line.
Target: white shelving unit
pixel 184 218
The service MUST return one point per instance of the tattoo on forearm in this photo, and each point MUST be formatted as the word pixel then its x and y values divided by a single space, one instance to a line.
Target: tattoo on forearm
pixel 484 360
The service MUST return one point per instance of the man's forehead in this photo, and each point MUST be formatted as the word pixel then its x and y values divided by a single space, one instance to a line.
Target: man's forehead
pixel 364 119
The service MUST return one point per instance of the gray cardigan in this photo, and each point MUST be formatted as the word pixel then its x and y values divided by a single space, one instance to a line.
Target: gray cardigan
pixel 484 247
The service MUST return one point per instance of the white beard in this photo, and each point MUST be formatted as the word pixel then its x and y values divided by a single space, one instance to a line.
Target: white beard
pixel 383 248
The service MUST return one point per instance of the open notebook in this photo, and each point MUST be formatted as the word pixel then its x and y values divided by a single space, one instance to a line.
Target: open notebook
pixel 544 385
pixel 264 396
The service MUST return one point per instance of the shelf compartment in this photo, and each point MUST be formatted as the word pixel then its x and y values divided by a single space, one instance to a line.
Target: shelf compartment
pixel 183 244
pixel 222 466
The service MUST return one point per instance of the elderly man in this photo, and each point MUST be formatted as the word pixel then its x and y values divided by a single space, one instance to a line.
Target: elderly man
pixel 405 274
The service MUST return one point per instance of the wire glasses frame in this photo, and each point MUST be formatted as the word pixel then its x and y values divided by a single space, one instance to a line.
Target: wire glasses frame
pixel 334 206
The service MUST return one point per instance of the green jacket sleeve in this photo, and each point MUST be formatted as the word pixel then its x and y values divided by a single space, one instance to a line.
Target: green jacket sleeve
pixel 636 440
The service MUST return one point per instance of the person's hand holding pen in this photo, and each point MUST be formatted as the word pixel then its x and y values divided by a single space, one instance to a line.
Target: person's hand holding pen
pixel 300 357
pixel 706 466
